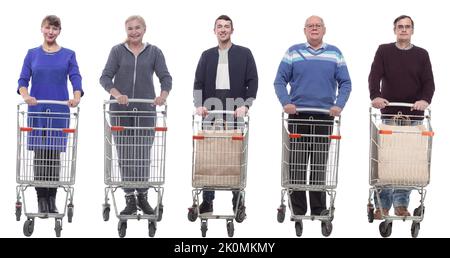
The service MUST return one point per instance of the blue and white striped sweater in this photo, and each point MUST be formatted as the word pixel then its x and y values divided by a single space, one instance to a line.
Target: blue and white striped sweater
pixel 314 76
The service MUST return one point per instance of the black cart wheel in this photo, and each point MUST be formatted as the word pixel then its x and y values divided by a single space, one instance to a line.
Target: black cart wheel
pixel 18 210
pixel 160 213
pixel 230 228
pixel 299 228
pixel 106 211
pixel 70 209
pixel 151 228
pixel 28 227
pixel 58 227
pixel 415 227
pixel 281 214
pixel 240 214
pixel 192 214
pixel 122 228
pixel 327 227
pixel 385 229
pixel 204 228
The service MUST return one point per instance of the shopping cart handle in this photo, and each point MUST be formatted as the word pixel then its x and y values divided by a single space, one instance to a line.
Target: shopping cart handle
pixel 57 102
pixel 220 112
pixel 400 104
pixel 149 101
pixel 318 110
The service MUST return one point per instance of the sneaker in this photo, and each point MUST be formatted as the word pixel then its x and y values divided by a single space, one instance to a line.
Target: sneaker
pixel 130 208
pixel 377 214
pixel 206 207
pixel 402 211
pixel 143 204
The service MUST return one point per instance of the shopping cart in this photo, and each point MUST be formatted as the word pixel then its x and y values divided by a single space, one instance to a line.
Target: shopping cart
pixel 219 163
pixel 310 155
pixel 400 158
pixel 46 156
pixel 135 151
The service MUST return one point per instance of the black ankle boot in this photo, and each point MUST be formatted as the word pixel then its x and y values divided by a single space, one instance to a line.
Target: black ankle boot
pixel 42 205
pixel 131 208
pixel 52 204
pixel 143 204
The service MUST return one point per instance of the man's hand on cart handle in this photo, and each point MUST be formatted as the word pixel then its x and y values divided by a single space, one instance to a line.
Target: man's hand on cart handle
pixel 290 109
pixel 30 100
pixel 379 103
pixel 73 102
pixel 420 105
pixel 241 111
pixel 335 111
pixel 201 111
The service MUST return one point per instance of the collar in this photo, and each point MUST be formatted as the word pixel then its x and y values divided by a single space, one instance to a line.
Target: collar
pixel 323 46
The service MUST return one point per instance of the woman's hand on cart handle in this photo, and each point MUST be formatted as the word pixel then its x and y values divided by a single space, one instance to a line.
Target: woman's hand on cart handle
pixel 201 111
pixel 73 102
pixel 290 109
pixel 161 99
pixel 31 101
pixel 335 111
pixel 379 103
pixel 420 105
pixel 122 99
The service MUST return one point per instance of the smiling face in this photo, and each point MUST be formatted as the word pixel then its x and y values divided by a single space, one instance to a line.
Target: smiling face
pixel 404 29
pixel 50 33
pixel 135 31
pixel 223 30
pixel 314 30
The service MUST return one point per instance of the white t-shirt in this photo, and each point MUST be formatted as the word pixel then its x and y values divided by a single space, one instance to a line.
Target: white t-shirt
pixel 223 76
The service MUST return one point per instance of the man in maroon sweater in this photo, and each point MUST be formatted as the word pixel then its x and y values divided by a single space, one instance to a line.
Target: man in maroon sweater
pixel 405 73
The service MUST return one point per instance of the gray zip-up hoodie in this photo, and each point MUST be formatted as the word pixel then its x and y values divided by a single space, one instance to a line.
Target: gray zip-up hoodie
pixel 133 76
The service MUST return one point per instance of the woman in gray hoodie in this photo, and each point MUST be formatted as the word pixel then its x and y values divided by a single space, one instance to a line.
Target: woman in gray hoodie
pixel 128 73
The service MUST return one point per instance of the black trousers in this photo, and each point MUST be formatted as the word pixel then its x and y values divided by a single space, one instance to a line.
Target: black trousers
pixel 312 151
pixel 46 168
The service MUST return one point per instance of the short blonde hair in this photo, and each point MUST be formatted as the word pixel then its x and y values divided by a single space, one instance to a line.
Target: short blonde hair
pixel 136 17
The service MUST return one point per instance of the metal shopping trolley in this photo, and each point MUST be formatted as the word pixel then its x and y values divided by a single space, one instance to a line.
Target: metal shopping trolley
pixel 400 158
pixel 310 155
pixel 219 162
pixel 46 156
pixel 135 151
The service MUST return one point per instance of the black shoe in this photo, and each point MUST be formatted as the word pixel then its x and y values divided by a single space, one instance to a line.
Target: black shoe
pixel 206 207
pixel 131 207
pixel 52 204
pixel 42 205
pixel 143 204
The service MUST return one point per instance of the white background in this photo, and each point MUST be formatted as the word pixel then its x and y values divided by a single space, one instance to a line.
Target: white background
pixel 183 29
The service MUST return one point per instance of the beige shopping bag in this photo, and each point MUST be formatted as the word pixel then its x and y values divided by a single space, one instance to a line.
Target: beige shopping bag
pixel 403 155
pixel 218 158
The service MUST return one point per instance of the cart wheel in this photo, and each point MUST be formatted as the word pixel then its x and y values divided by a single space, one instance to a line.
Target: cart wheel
pixel 419 211
pixel 299 228
pixel 28 227
pixel 192 214
pixel 385 229
pixel 240 214
pixel 204 228
pixel 230 228
pixel 281 214
pixel 370 213
pixel 327 227
pixel 160 213
pixel 58 227
pixel 151 228
pixel 106 211
pixel 122 228
pixel 18 210
pixel 69 212
pixel 415 227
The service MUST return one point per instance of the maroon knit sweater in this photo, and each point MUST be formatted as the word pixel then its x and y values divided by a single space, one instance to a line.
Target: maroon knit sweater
pixel 405 75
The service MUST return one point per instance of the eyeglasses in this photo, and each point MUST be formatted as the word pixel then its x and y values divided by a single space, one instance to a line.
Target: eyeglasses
pixel 403 27
pixel 312 26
